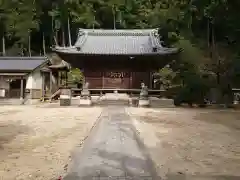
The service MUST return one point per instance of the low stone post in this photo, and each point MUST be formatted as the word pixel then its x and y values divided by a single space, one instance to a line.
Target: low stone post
pixel 143 98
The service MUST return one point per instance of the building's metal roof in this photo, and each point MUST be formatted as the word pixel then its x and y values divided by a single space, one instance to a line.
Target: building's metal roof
pixel 117 42
pixel 21 63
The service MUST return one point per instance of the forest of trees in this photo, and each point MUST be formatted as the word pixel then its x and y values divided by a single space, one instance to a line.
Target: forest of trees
pixel 207 30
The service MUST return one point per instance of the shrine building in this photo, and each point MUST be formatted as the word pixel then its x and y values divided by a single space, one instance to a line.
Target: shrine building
pixel 118 59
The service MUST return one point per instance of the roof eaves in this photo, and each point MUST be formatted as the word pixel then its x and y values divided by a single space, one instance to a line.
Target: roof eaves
pixel 15 71
pixel 160 50
pixel 21 57
pixel 42 64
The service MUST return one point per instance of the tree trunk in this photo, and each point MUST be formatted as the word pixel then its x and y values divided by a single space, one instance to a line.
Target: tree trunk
pixel 63 37
pixel 22 49
pixel 215 55
pixel 29 45
pixel 52 33
pixel 93 26
pixel 69 34
pixel 216 60
pixel 208 33
pixel 56 38
pixel 114 17
pixel 44 46
pixel 3 46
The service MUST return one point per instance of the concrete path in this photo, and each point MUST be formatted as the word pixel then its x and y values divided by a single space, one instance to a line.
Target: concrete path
pixel 112 151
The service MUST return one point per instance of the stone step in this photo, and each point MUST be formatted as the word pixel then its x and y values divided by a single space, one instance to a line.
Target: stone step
pixel 115 96
pixel 157 103
pixel 111 103
pixel 114 99
pixel 10 101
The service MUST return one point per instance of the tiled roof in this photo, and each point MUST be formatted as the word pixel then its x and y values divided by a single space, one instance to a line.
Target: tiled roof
pixel 20 63
pixel 120 42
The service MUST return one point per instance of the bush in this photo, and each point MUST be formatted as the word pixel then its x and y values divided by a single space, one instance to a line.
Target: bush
pixel 193 92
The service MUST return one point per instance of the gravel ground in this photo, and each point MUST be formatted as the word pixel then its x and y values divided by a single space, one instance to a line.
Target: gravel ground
pixel 36 142
pixel 191 143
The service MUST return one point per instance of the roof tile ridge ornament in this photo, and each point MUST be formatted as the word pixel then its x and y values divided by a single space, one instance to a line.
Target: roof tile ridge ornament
pixel 154 38
pixel 159 43
pixel 158 38
pixel 83 40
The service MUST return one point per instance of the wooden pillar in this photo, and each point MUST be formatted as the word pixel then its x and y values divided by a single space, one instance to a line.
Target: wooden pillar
pixel 22 91
pixel 61 77
pixel 150 80
pixel 130 81
pixel 103 78
pixel 57 79
pixel 43 85
pixel 50 82
pixel 66 78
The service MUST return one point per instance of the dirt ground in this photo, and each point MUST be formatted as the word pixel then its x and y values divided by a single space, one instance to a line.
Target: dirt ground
pixel 186 144
pixel 36 142
pixel 189 144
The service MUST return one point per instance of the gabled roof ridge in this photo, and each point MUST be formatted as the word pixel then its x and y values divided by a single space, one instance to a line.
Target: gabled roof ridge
pixel 117 32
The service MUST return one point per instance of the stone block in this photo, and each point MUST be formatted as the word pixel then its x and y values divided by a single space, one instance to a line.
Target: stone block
pixel 75 101
pixel 85 102
pixel 65 100
pixel 33 93
pixel 144 103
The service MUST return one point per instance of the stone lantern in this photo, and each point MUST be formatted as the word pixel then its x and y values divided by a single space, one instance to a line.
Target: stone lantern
pixel 143 98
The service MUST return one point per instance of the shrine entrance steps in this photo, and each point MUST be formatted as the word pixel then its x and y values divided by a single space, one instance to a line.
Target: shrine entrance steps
pixel 110 99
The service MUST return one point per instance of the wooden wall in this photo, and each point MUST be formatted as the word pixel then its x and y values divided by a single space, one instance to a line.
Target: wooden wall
pixel 117 71
pixel 119 79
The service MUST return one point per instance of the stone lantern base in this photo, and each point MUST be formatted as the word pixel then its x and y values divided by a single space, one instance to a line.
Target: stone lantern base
pixel 143 103
pixel 65 97
pixel 65 100
pixel 85 102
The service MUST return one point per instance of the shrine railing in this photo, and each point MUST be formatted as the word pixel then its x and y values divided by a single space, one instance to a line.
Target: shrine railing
pixel 77 91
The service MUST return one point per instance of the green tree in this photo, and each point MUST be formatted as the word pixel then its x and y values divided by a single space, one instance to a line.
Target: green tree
pixel 75 76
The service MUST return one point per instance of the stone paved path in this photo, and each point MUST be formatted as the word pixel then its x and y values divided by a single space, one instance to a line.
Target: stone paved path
pixel 112 151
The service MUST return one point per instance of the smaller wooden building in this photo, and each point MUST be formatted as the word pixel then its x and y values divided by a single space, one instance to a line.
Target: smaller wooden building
pixel 22 76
